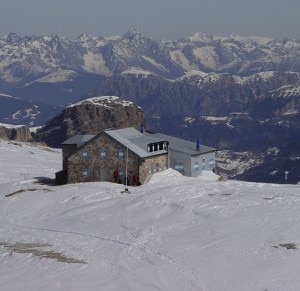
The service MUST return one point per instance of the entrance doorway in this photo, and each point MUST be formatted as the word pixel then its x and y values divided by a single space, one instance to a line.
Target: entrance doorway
pixel 103 175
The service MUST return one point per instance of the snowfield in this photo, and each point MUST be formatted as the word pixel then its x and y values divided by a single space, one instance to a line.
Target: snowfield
pixel 173 233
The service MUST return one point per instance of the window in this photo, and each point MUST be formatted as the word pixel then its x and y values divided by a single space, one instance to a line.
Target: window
pixel 159 146
pixel 84 172
pixel 120 173
pixel 196 166
pixel 150 148
pixel 120 154
pixel 84 154
pixel 102 154
pixel 211 163
pixel 179 167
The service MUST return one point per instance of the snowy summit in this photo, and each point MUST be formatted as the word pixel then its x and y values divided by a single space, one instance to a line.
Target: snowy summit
pixel 103 101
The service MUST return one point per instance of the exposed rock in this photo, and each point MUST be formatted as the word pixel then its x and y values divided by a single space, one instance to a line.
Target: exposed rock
pixel 17 133
pixel 90 116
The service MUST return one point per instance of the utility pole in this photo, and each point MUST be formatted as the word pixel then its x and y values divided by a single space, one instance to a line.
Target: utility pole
pixel 286 176
pixel 126 170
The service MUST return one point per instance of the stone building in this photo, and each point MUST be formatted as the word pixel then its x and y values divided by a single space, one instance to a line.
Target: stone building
pixel 113 155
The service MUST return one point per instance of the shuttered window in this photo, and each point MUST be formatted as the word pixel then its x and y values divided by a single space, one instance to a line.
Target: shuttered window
pixel 196 166
pixel 84 154
pixel 120 154
pixel 102 154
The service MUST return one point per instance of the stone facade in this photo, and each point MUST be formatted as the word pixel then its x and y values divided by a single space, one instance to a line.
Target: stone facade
pixel 104 159
pixel 67 151
pixel 152 165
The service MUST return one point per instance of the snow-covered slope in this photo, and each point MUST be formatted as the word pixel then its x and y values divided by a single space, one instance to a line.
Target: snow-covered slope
pixel 16 110
pixel 174 233
pixel 104 101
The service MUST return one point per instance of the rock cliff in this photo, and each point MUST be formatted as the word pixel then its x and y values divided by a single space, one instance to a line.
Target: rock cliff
pixel 90 116
pixel 17 133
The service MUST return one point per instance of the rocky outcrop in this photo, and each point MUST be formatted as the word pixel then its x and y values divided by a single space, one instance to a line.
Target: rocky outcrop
pixel 16 133
pixel 90 116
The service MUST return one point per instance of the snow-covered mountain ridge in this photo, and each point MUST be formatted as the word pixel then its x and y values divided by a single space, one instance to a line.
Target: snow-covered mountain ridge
pixel 57 71
pixel 32 57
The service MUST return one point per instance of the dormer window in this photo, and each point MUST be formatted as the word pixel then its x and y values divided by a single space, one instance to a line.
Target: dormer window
pixel 158 146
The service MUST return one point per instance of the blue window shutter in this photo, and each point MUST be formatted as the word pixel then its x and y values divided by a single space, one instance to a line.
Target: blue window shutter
pixel 84 154
pixel 102 154
pixel 120 154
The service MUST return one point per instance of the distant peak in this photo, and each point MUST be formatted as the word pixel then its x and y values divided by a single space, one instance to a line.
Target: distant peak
pixel 133 33
pixel 12 37
pixel 199 36
pixel 84 37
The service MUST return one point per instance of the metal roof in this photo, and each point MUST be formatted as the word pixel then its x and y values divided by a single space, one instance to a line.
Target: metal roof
pixel 78 140
pixel 136 141
pixel 181 145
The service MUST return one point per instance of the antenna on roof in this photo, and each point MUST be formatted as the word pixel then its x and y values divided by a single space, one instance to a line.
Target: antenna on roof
pixel 198 144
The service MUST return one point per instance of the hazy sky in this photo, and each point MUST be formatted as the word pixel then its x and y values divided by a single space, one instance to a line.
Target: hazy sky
pixel 169 19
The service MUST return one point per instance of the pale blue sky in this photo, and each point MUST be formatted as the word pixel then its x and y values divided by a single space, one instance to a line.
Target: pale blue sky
pixel 169 19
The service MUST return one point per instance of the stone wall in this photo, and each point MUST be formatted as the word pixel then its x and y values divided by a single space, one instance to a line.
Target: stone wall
pixel 67 151
pixel 152 165
pixel 103 169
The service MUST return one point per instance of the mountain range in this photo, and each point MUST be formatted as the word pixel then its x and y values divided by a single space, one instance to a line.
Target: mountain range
pixel 57 71
pixel 28 59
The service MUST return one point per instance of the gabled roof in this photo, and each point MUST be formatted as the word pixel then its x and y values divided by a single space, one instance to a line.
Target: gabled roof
pixel 181 145
pixel 78 140
pixel 136 141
